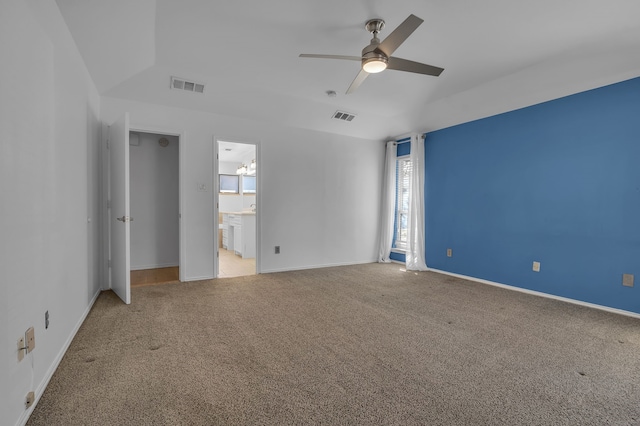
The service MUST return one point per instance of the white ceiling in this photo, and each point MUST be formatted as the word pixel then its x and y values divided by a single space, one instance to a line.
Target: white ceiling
pixel 498 55
pixel 236 152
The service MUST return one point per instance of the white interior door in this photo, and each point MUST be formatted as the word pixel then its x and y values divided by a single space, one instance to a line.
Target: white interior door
pixel 120 226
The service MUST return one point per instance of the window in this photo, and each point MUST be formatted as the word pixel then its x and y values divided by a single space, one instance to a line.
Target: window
pixel 229 184
pixel 248 184
pixel 403 180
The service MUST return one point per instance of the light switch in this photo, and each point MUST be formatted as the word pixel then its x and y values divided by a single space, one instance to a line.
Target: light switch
pixel 536 266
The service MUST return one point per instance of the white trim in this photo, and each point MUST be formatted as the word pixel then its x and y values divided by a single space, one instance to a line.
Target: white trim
pixel 540 294
pixel 257 143
pixel 106 195
pixel 105 270
pixel 215 171
pixel 182 229
pixel 326 265
pixel 154 130
pixel 182 143
pixel 56 362
pixel 403 136
pixel 259 215
pixel 155 266
pixel 202 278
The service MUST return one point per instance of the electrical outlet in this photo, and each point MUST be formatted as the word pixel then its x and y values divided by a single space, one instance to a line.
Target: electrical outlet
pixel 31 339
pixel 627 280
pixel 20 349
pixel 28 401
pixel 536 266
pixel 449 252
pixel 277 249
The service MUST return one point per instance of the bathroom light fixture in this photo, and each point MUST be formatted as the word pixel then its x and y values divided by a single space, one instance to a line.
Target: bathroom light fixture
pixel 242 169
pixel 252 167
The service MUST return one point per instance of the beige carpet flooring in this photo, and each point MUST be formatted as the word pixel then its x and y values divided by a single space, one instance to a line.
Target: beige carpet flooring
pixel 364 344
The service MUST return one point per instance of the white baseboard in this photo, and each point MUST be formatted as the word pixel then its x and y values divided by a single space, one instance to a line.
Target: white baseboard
pixel 155 266
pixel 324 265
pixel 540 294
pixel 53 367
pixel 202 278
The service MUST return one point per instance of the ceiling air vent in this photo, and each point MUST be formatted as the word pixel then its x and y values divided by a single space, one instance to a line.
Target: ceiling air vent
pixel 344 116
pixel 189 86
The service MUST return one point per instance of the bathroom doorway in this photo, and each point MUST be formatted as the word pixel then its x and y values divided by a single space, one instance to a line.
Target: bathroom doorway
pixel 237 212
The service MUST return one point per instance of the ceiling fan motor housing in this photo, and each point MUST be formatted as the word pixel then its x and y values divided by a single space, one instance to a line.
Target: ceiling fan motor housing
pixel 374 26
pixel 371 53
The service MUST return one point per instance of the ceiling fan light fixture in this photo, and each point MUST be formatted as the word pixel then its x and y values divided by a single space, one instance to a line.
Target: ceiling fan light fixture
pixel 377 54
pixel 374 65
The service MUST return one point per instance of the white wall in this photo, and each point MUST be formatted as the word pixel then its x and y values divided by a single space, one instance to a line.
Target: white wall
pixel 228 167
pixel 318 193
pixel 49 161
pixel 154 202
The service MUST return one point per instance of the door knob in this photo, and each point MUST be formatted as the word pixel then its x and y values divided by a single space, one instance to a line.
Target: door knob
pixel 125 219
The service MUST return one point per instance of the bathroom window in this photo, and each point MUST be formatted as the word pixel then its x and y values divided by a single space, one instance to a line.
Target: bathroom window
pixel 229 184
pixel 248 184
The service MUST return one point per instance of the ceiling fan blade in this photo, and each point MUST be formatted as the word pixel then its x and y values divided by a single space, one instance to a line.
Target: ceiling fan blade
pixel 348 58
pixel 411 66
pixel 399 35
pixel 357 81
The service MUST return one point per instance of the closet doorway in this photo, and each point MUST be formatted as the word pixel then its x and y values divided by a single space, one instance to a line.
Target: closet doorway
pixel 155 199
pixel 237 213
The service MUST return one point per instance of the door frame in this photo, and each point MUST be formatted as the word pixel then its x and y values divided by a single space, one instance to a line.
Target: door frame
pixel 216 199
pixel 182 137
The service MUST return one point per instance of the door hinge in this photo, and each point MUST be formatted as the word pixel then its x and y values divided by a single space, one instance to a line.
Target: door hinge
pixel 217 254
pixel 107 144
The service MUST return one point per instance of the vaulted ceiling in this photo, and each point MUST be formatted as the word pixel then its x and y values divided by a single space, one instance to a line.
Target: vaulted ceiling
pixel 498 55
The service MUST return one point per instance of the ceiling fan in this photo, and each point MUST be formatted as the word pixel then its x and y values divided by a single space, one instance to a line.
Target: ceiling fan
pixel 376 57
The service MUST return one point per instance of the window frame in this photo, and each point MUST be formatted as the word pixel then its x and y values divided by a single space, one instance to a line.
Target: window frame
pixel 400 244
pixel 229 192
pixel 255 184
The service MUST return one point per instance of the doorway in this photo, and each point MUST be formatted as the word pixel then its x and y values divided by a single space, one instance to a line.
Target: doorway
pixel 237 213
pixel 155 194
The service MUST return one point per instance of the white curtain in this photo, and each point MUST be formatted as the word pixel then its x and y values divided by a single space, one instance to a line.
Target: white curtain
pixel 415 256
pixel 388 203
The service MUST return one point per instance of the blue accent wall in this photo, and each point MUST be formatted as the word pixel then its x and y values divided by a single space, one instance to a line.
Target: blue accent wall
pixel 557 182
